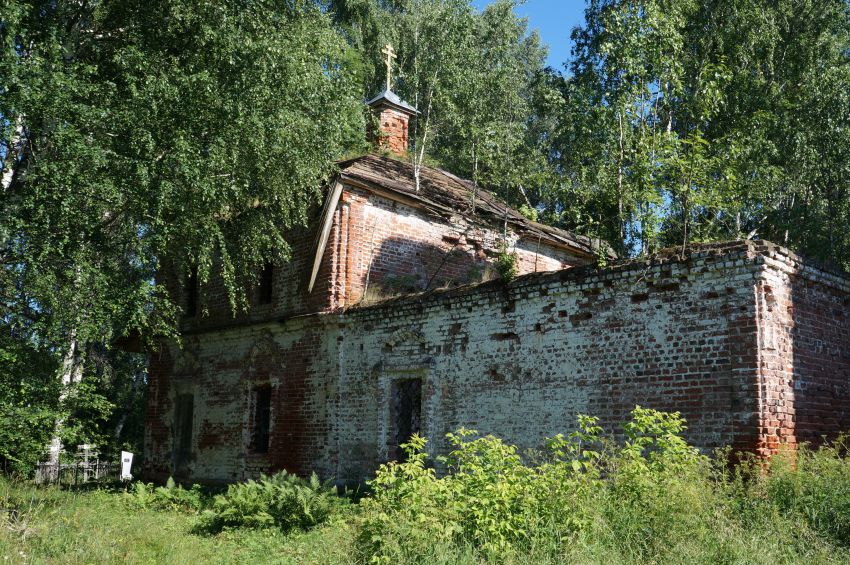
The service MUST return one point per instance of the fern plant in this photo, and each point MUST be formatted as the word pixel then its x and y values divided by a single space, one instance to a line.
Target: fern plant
pixel 282 500
pixel 169 497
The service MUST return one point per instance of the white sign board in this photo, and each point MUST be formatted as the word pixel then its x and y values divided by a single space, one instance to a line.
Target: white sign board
pixel 126 465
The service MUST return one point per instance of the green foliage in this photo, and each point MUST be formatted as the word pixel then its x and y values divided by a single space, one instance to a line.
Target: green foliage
pixel 814 485
pixel 86 410
pixel 651 499
pixel 171 497
pixel 106 408
pixel 528 212
pixel 654 443
pixel 583 499
pixel 282 500
pixel 654 493
pixel 159 136
pixel 506 263
pixel 138 141
pixel 677 124
pixel 489 498
pixel 475 76
pixel 78 527
pixel 29 402
pixel 402 283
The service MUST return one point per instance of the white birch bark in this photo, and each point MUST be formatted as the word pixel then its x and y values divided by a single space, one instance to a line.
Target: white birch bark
pixel 70 372
pixel 13 154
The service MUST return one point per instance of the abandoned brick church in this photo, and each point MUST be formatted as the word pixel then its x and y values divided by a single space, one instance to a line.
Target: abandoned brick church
pixel 389 320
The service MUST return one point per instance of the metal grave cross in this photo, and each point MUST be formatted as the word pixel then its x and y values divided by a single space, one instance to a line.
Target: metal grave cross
pixel 388 51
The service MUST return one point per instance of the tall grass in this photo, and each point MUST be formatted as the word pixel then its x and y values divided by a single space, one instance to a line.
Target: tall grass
pixel 60 526
pixel 651 498
pixel 813 486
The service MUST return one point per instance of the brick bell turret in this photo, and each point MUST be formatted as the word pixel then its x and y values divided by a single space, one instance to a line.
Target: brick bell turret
pixel 393 114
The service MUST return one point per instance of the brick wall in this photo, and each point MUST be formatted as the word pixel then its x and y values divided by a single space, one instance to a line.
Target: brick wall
pixel 804 346
pixel 222 369
pixel 522 360
pixel 389 248
pixel 749 342
pixel 394 127
pixel 289 296
pixel 377 248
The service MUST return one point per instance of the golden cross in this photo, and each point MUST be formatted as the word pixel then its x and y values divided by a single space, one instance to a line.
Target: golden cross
pixel 388 51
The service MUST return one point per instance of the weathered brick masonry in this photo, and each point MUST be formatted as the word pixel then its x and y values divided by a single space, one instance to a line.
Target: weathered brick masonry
pixel 382 245
pixel 803 317
pixel 747 340
pixel 378 236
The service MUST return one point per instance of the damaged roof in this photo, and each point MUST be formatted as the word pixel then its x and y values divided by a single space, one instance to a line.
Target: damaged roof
pixel 445 194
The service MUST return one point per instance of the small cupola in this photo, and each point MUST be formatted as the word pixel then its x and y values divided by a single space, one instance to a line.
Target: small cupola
pixel 393 114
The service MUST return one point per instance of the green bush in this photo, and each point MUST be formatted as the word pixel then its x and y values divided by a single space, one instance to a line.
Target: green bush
pixel 29 402
pixel 489 501
pixel 281 500
pixel 171 497
pixel 651 499
pixel 506 263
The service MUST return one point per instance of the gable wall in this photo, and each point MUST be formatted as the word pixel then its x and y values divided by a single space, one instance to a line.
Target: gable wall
pixel 376 248
pixel 388 248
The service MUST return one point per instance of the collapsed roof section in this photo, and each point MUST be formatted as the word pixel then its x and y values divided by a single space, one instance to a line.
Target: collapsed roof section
pixel 444 194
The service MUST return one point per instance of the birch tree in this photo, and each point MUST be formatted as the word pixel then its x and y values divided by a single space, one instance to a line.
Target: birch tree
pixel 138 131
pixel 698 120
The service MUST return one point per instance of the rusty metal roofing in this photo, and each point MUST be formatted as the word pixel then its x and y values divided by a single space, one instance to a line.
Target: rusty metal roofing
pixel 445 194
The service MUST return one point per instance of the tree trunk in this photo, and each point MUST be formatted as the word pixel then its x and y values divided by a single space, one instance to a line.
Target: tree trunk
pixel 685 215
pixel 13 154
pixel 830 225
pixel 70 372
pixel 620 184
pixel 419 156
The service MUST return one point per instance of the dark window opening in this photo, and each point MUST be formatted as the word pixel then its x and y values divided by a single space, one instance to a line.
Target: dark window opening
pixel 262 418
pixel 266 284
pixel 191 292
pixel 184 408
pixel 405 414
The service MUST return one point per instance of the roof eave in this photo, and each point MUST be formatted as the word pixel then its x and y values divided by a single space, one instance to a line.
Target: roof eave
pixel 391 99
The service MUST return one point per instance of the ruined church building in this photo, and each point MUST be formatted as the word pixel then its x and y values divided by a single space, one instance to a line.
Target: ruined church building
pixel 389 320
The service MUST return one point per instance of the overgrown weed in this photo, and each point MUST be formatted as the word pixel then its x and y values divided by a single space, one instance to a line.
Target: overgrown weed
pixel 172 497
pixel 651 499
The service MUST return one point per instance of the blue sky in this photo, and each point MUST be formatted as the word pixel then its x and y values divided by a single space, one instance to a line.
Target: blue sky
pixel 554 20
